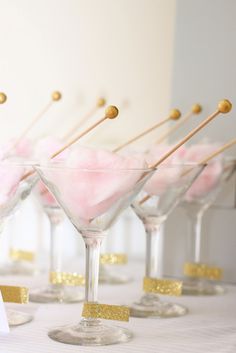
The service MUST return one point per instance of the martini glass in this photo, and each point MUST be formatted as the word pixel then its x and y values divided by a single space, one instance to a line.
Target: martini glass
pixel 55 292
pixel 92 199
pixel 197 201
pixel 14 191
pixel 160 196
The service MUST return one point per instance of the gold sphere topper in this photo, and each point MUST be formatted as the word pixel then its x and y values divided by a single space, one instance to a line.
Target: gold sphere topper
pixel 3 98
pixel 224 106
pixel 56 96
pixel 111 112
pixel 196 108
pixel 101 102
pixel 175 114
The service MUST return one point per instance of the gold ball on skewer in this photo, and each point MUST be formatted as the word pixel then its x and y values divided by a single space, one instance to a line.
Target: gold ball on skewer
pixel 196 108
pixel 111 112
pixel 101 102
pixel 225 106
pixel 56 96
pixel 3 98
pixel 175 114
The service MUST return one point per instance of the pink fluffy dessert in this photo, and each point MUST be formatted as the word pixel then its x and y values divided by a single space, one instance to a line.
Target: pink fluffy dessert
pixel 208 180
pixel 94 180
pixel 169 171
pixel 10 178
pixel 24 148
pixel 44 149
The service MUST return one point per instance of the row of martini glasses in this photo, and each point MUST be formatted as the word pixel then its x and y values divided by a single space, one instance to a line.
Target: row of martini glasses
pixel 93 187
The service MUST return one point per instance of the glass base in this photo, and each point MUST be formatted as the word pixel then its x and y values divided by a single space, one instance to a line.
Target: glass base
pixel 56 294
pixel 90 333
pixel 109 277
pixel 16 318
pixel 198 286
pixel 151 306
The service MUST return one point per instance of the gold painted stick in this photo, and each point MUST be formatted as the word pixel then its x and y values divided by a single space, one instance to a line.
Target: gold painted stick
pixel 174 115
pixel 196 109
pixel 111 112
pixel 224 107
pixel 100 103
pixel 55 97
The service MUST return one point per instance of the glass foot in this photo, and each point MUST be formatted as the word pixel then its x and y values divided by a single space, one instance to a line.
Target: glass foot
pixel 151 306
pixel 56 294
pixel 201 287
pixel 90 333
pixel 16 318
pixel 106 276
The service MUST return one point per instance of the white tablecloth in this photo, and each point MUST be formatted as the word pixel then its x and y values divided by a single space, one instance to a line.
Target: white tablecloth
pixel 210 326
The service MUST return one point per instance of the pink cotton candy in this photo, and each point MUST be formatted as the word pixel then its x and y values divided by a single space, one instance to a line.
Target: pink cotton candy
pixel 44 149
pixel 95 180
pixel 22 148
pixel 210 176
pixel 10 178
pixel 47 146
pixel 168 173
pixel 45 196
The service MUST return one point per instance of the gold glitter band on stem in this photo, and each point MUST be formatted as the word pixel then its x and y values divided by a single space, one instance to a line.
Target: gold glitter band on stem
pixel 16 254
pixel 105 311
pixel 198 270
pixel 162 286
pixel 13 294
pixel 113 259
pixel 66 278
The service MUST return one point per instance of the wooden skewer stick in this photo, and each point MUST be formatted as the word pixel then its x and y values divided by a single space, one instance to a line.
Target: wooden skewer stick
pixel 100 103
pixel 55 97
pixel 174 115
pixel 111 112
pixel 3 98
pixel 224 107
pixel 218 151
pixel 196 109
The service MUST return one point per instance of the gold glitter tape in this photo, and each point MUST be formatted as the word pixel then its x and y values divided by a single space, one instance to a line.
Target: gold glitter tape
pixel 13 294
pixel 66 278
pixel 198 270
pixel 105 311
pixel 16 254
pixel 162 286
pixel 113 259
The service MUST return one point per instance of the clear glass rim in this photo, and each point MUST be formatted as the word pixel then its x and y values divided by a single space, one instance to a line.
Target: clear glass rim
pixel 59 165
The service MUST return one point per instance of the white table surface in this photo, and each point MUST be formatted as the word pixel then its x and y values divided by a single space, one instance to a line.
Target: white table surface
pixel 209 327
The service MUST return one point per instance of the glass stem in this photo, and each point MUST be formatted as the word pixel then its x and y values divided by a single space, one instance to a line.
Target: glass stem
pixel 55 218
pixel 195 238
pixel 153 255
pixel 93 245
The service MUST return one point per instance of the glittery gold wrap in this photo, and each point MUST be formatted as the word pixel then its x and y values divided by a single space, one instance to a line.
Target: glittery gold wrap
pixel 199 270
pixel 113 259
pixel 105 311
pixel 66 278
pixel 162 286
pixel 16 254
pixel 13 294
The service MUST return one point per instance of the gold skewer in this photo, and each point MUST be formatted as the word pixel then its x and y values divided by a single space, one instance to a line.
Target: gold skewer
pixel 196 109
pixel 174 115
pixel 224 107
pixel 100 103
pixel 111 112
